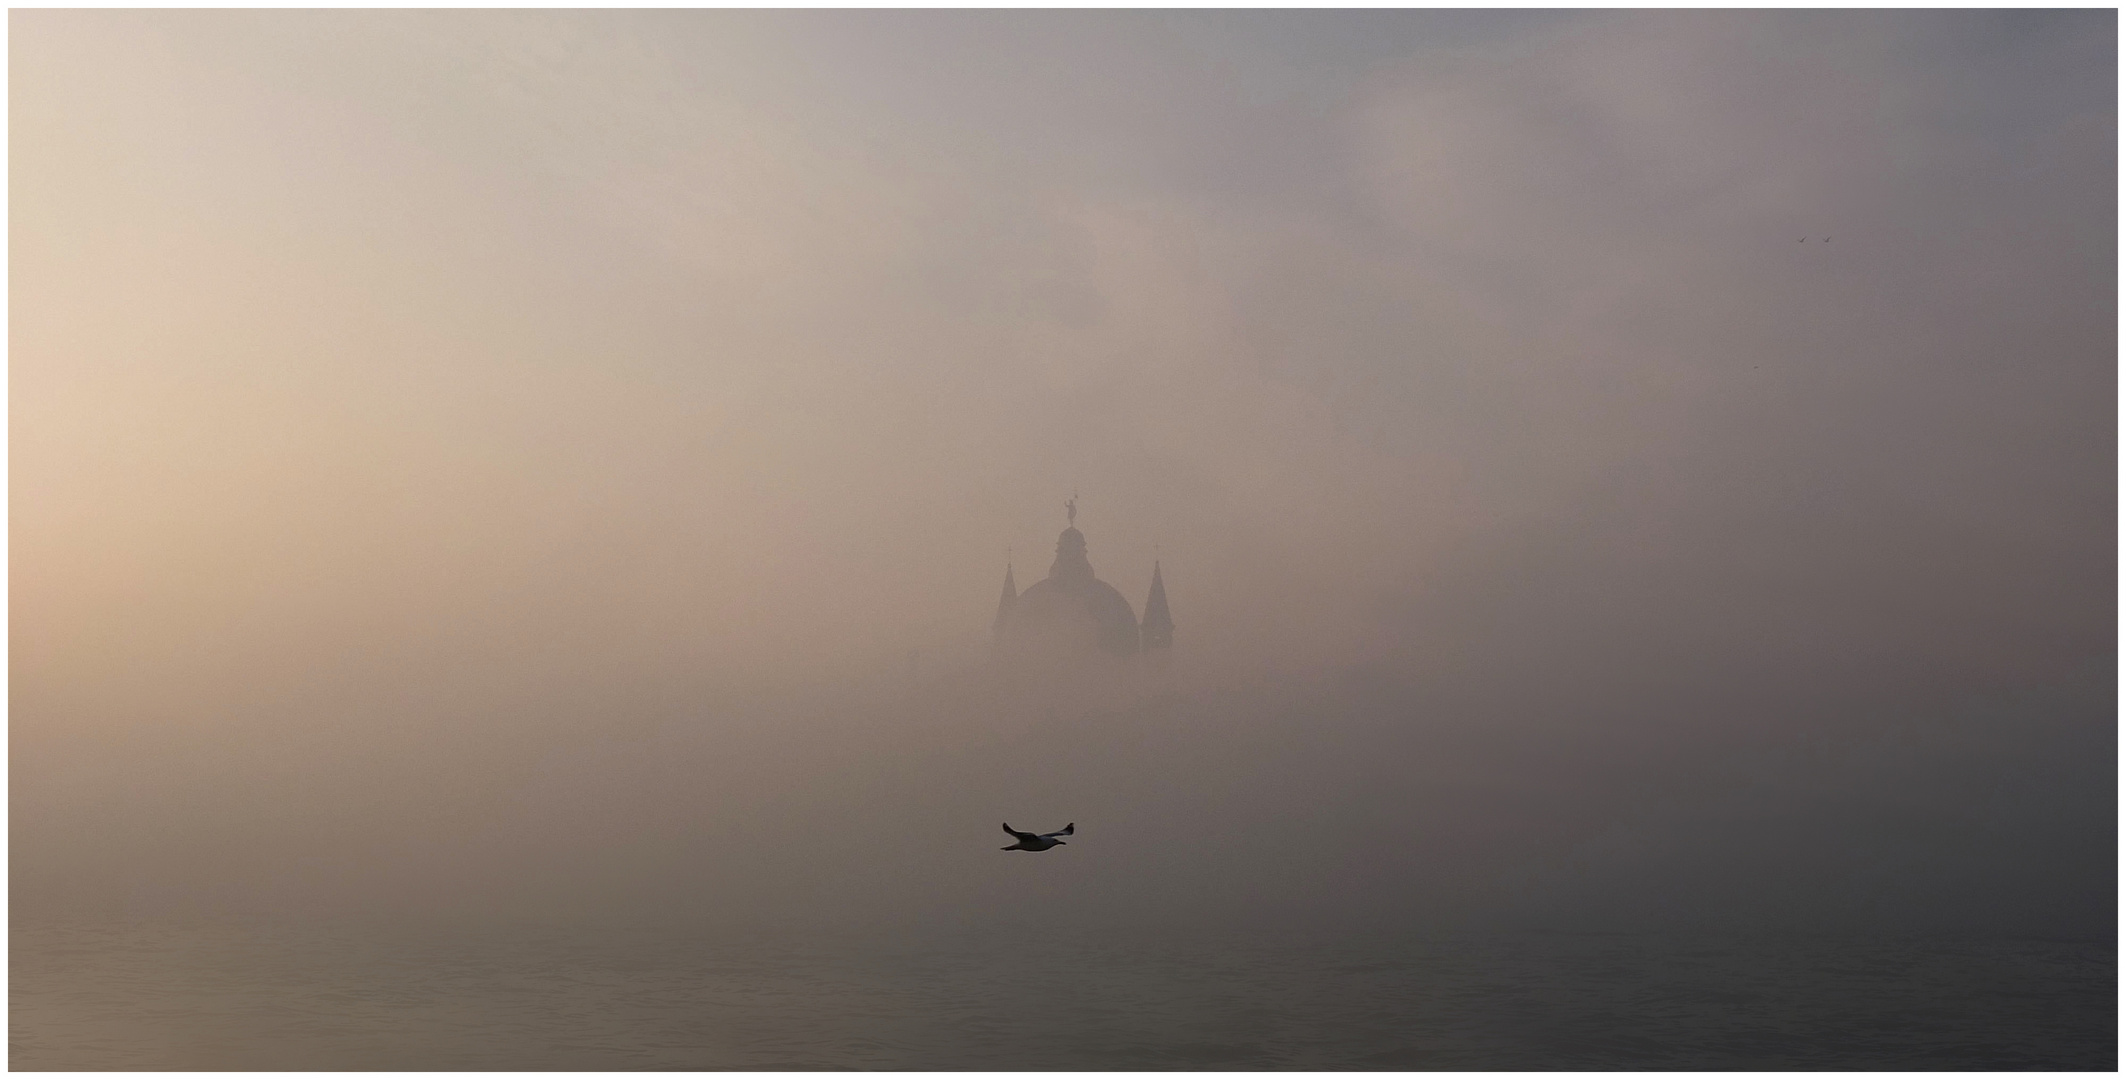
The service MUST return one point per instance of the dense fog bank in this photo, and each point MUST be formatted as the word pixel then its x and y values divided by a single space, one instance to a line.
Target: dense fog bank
pixel 1609 469
pixel 1346 802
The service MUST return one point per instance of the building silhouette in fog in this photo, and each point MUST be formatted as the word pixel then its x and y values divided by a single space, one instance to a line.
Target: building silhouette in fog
pixel 1072 615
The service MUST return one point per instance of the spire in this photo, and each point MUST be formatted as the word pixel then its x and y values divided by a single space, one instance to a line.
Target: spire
pixel 1004 603
pixel 1158 625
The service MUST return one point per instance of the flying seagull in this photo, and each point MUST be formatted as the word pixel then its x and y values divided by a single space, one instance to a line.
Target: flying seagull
pixel 1038 841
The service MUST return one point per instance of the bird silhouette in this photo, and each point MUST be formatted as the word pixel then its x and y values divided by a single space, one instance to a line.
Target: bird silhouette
pixel 1038 841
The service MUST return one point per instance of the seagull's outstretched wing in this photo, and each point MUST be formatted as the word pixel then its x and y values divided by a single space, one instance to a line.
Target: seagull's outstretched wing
pixel 1017 833
pixel 1067 830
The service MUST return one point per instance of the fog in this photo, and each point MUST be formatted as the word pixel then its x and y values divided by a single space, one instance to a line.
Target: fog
pixel 1608 470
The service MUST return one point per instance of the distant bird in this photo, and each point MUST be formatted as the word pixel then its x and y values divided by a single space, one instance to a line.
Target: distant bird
pixel 1038 841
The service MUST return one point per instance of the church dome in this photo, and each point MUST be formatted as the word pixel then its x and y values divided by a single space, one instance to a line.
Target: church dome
pixel 1071 611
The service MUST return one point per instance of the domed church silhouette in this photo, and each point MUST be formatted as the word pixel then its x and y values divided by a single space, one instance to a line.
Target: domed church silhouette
pixel 1071 614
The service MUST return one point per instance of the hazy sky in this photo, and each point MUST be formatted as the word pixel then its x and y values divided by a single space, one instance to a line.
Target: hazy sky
pixel 392 379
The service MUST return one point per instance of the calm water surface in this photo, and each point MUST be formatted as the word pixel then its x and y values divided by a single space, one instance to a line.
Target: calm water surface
pixel 281 998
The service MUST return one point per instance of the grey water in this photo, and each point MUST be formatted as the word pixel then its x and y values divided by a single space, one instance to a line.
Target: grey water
pixel 285 996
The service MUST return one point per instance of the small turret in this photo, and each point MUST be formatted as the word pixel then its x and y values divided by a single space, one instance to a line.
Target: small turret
pixel 1004 604
pixel 1158 625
